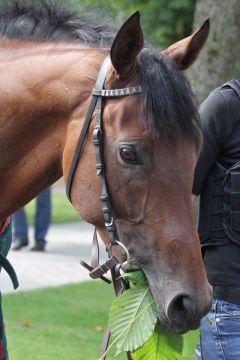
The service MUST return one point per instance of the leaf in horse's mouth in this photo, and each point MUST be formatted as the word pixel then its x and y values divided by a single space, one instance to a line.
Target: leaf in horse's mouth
pixel 135 327
pixel 133 310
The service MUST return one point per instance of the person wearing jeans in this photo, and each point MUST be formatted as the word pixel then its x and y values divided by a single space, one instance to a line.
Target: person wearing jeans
pixel 220 332
pixel 217 181
pixel 41 223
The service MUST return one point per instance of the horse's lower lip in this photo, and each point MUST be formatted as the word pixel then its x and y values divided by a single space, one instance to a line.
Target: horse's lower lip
pixel 183 330
pixel 180 329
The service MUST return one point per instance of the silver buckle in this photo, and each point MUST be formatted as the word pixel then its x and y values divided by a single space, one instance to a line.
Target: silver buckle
pixel 109 224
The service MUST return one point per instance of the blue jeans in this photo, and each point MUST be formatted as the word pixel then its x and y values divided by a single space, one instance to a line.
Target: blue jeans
pixel 220 333
pixel 41 221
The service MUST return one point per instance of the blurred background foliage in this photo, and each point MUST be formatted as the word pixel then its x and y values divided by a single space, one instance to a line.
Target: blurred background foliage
pixel 163 21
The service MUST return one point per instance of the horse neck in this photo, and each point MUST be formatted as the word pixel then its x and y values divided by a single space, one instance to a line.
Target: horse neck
pixel 41 93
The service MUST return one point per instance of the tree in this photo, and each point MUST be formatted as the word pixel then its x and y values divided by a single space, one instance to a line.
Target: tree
pixel 163 21
pixel 220 59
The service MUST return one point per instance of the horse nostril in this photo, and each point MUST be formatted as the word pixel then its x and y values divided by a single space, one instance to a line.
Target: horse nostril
pixel 181 310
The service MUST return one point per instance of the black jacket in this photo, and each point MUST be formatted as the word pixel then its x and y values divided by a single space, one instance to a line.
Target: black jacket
pixel 220 119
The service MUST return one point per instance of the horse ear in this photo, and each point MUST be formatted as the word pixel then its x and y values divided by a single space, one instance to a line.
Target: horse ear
pixel 185 51
pixel 128 43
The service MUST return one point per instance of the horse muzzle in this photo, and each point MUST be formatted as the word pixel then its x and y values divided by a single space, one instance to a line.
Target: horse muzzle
pixel 180 308
pixel 184 313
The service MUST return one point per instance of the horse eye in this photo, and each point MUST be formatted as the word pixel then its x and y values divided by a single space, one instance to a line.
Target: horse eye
pixel 128 154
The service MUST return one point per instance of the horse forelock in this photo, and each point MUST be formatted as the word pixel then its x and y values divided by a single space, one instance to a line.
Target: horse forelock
pixel 167 105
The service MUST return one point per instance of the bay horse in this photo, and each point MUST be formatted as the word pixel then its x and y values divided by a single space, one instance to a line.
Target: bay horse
pixel 49 62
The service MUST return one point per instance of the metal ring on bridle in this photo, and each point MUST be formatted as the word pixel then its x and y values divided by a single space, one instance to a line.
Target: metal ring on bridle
pixel 123 247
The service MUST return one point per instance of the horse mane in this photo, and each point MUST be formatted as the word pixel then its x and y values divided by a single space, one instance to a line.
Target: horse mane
pixel 167 102
pixel 54 20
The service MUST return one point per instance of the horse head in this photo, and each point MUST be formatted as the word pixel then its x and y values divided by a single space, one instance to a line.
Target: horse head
pixel 151 144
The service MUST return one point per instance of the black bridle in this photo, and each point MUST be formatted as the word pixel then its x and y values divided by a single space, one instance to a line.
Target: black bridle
pixel 112 264
pixel 98 94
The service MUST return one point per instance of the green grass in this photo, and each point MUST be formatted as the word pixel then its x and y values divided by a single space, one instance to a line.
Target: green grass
pixel 62 323
pixel 62 210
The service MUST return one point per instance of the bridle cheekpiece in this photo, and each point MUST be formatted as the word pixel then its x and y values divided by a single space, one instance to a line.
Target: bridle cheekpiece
pixel 98 93
pixel 98 271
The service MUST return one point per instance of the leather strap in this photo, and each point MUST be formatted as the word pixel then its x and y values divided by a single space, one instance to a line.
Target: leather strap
pixel 119 286
pixel 105 197
pixel 100 270
pixel 96 272
pixel 95 250
pixel 10 270
pixel 105 344
pixel 87 121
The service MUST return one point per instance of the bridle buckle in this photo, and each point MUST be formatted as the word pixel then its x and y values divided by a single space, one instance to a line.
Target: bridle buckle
pixel 109 224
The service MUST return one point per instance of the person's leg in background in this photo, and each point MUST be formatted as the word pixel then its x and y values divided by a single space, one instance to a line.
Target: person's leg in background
pixel 20 229
pixel 220 333
pixel 42 219
pixel 208 346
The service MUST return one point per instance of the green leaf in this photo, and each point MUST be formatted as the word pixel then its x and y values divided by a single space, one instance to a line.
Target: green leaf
pixel 162 345
pixel 190 340
pixel 132 318
pixel 136 278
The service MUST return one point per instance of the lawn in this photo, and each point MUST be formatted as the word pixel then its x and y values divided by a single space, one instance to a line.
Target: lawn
pixel 62 210
pixel 61 323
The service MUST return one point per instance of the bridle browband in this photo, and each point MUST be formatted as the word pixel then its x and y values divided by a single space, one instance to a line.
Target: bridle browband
pixel 112 264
